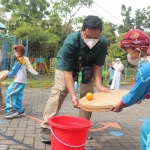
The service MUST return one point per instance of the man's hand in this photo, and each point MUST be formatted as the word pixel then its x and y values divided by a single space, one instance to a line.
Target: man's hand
pixel 75 102
pixel 103 89
pixel 116 107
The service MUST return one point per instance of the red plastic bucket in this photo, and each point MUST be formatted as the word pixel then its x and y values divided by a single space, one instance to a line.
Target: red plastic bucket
pixel 68 133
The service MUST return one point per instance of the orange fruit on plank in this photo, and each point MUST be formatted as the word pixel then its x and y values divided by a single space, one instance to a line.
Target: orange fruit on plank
pixel 89 96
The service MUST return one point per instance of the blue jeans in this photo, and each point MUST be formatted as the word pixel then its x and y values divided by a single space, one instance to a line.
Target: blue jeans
pixel 145 135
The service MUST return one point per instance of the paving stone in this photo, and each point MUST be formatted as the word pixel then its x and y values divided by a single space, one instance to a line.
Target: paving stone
pixel 3 147
pixel 128 146
pixel 19 137
pixel 28 140
pixel 20 147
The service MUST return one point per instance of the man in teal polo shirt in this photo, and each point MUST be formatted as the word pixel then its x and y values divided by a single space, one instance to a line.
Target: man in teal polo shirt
pixel 79 49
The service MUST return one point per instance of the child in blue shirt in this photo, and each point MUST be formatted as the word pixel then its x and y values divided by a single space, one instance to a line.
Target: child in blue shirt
pixel 14 94
pixel 136 44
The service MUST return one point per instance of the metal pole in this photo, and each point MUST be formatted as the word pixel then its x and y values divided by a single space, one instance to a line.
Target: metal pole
pixel 5 54
pixel 27 41
pixel 12 60
pixel 126 72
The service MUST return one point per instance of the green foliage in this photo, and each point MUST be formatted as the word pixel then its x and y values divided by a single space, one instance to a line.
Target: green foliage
pixel 2 14
pixel 46 28
pixel 67 9
pixel 114 51
pixel 109 32
pixel 140 21
pixel 128 21
pixel 130 72
pixel 39 39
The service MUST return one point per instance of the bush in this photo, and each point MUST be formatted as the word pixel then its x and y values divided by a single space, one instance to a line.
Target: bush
pixel 129 74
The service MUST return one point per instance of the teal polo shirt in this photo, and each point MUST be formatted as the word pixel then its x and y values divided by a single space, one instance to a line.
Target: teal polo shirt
pixel 67 57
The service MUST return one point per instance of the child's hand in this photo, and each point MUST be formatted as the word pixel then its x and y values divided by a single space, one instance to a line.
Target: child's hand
pixel 138 102
pixel 4 77
pixel 116 107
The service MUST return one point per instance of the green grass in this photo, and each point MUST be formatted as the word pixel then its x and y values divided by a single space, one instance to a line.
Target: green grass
pixel 34 82
pixel 45 81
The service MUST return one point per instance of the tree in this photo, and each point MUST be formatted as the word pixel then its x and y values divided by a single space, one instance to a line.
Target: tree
pixel 140 21
pixel 39 39
pixel 67 9
pixel 147 21
pixel 114 50
pixel 109 32
pixel 2 15
pixel 140 18
pixel 24 10
pixel 128 21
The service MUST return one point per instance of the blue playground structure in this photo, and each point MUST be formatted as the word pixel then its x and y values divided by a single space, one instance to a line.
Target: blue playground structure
pixel 6 45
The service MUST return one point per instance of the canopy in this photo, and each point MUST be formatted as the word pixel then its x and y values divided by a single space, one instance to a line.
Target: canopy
pixel 2 26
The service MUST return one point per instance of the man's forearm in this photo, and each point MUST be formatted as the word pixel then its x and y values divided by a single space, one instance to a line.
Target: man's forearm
pixel 69 83
pixel 98 76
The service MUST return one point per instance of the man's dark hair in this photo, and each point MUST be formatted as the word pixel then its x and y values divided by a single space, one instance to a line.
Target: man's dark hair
pixel 92 22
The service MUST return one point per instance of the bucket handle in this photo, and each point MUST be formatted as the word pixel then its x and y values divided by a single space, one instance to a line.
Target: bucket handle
pixel 63 142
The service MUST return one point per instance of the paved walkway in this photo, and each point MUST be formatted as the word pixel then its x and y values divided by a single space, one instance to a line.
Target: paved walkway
pixel 115 131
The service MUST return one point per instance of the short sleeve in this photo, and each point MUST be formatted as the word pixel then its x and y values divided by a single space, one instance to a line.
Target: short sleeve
pixel 102 48
pixel 68 53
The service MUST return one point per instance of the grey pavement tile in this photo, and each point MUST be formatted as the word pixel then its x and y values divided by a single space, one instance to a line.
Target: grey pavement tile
pixel 113 148
pixel 19 137
pixel 39 145
pixel 128 146
pixel 20 147
pixel 3 147
pixel 28 140
pixel 10 133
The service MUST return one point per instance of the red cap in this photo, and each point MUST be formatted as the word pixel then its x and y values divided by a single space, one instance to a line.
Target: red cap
pixel 136 39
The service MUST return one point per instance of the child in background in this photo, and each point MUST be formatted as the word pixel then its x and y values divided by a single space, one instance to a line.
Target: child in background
pixel 14 94
pixel 136 44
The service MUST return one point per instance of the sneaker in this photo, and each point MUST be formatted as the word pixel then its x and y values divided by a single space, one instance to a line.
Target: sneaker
pixel 45 135
pixel 11 115
pixel 89 136
pixel 21 113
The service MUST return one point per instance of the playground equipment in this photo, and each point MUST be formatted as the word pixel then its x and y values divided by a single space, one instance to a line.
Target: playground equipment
pixel 39 64
pixel 52 66
pixel 6 45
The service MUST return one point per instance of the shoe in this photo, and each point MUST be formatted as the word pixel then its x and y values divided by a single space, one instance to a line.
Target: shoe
pixel 21 113
pixel 44 135
pixel 89 136
pixel 11 115
pixel 108 85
